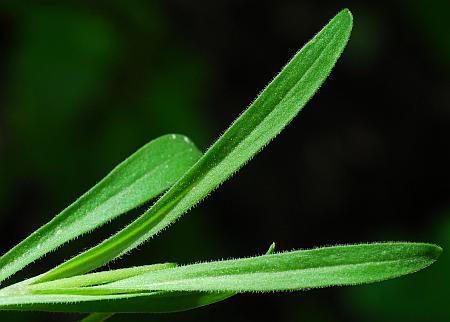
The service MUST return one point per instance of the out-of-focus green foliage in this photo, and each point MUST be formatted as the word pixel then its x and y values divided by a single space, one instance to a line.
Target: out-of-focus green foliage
pixel 433 22
pixel 80 88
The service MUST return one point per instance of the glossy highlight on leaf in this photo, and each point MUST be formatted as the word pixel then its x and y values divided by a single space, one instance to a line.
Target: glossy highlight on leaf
pixel 274 108
pixel 144 175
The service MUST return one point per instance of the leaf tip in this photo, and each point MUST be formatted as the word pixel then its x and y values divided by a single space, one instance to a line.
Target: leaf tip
pixel 346 15
pixel 434 251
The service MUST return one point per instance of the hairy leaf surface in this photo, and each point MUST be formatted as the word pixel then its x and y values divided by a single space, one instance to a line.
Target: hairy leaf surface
pixel 303 269
pixel 144 175
pixel 191 286
pixel 275 107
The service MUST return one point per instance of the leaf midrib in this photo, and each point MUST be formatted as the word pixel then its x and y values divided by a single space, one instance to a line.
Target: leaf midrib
pixel 109 288
pixel 316 268
pixel 39 239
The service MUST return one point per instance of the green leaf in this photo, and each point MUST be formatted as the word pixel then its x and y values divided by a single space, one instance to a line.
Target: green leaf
pixel 213 296
pixel 91 279
pixel 275 107
pixel 191 286
pixel 106 277
pixel 303 269
pixel 144 175
pixel 18 296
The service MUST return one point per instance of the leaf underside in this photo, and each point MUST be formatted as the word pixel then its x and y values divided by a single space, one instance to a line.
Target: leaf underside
pixel 97 317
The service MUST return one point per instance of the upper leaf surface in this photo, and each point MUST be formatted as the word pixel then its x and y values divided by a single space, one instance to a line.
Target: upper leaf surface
pixel 144 175
pixel 196 285
pixel 275 107
pixel 328 266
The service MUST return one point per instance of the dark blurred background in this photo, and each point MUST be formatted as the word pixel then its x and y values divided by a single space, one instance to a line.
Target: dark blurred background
pixel 83 85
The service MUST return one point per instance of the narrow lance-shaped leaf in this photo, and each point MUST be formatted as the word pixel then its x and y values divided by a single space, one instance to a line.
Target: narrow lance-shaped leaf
pixel 275 107
pixel 144 175
pixel 191 286
pixel 295 270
